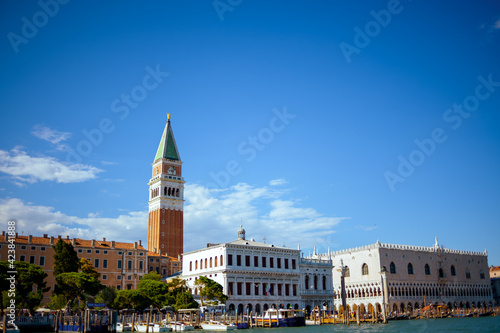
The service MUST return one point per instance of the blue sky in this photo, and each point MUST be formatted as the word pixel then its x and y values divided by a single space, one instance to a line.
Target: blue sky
pixel 329 124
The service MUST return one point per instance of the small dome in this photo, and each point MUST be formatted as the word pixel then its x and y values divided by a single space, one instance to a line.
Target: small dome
pixel 241 233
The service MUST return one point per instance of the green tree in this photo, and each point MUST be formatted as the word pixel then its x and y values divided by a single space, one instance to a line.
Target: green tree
pixel 185 300
pixel 131 299
pixel 209 290
pixel 107 295
pixel 87 268
pixel 155 291
pixel 77 286
pixel 151 276
pixel 65 258
pixel 30 283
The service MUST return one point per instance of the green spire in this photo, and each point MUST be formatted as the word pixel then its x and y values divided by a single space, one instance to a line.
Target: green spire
pixel 167 147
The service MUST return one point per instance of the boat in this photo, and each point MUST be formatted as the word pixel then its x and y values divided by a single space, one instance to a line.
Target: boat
pixel 485 314
pixel 217 326
pixel 123 328
pixel 153 328
pixel 179 326
pixel 280 318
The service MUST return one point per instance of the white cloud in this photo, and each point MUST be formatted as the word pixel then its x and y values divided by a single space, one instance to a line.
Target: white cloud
pixel 53 136
pixel 215 216
pixel 25 168
pixel 496 25
pixel 38 220
pixel 210 216
pixel 277 182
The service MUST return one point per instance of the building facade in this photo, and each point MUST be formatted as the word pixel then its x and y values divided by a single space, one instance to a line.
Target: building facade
pixel 410 277
pixel 166 198
pixel 258 276
pixel 120 264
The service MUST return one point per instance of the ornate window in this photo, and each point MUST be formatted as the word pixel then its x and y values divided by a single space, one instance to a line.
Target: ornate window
pixel 441 273
pixel 364 269
pixel 452 270
pixel 392 268
pixel 467 274
pixel 410 268
pixel 427 269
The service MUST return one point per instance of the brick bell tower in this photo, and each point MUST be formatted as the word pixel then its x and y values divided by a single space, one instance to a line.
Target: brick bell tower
pixel 166 198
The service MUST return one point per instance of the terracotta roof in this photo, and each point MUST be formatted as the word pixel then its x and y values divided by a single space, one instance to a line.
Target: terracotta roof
pixel 154 254
pixel 35 240
pixel 494 268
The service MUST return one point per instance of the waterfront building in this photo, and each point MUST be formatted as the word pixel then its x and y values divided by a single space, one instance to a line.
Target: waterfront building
pixel 410 277
pixel 166 198
pixel 120 264
pixel 258 276
pixel 495 283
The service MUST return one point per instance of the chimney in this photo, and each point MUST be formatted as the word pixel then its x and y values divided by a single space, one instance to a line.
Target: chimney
pixel 140 242
pixel 112 244
pixel 135 245
pixel 159 252
pixel 30 238
pixel 5 236
pixel 45 235
pixel 93 243
pixel 73 242
pixel 51 240
pixel 58 236
pixel 67 236
pixel 104 239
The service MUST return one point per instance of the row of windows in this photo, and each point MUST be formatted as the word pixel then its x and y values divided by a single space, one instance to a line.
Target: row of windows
pixel 32 248
pixel 273 289
pixel 32 260
pixel 427 270
pixel 315 282
pixel 209 262
pixel 106 252
pixel 167 191
pixel 263 261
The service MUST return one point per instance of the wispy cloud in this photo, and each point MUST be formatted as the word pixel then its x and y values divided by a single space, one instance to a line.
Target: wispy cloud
pixel 29 169
pixel 277 182
pixel 53 136
pixel 39 220
pixel 263 214
pixel 209 216
pixel 496 25
pixel 367 228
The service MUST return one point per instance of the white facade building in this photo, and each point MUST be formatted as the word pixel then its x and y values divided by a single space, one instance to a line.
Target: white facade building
pixel 257 276
pixel 415 276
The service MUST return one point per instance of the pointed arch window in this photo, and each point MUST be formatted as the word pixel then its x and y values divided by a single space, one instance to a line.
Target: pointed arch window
pixel 441 273
pixel 410 268
pixel 452 270
pixel 364 269
pixel 481 274
pixel 467 274
pixel 392 267
pixel 427 269
pixel 307 282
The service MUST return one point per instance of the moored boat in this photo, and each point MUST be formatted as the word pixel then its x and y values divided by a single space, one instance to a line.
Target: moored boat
pixel 217 326
pixel 153 328
pixel 280 318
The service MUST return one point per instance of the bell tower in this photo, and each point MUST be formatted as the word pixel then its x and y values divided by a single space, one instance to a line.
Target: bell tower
pixel 166 198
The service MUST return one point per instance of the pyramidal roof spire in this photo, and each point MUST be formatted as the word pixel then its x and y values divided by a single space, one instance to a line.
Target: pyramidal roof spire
pixel 167 147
